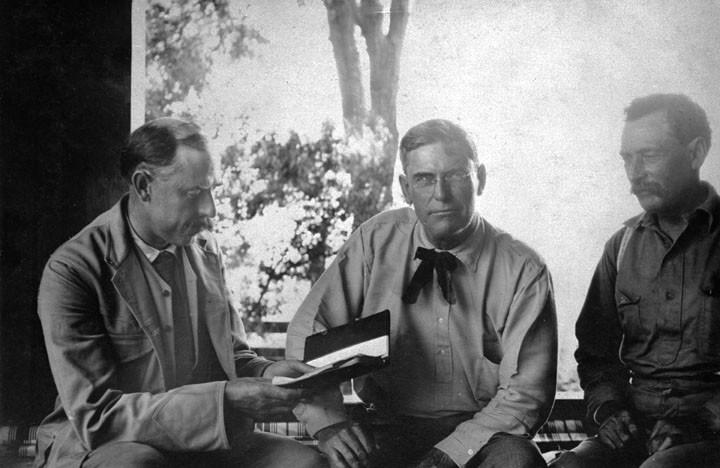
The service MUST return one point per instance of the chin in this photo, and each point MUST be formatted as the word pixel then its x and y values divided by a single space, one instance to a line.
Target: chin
pixel 651 204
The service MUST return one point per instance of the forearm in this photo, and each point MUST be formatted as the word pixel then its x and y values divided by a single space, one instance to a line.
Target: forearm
pixel 603 377
pixel 188 418
pixel 324 410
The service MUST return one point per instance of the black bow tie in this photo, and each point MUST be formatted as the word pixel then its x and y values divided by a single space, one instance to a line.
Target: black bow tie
pixel 443 263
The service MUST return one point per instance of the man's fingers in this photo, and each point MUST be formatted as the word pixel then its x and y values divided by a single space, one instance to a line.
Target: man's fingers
pixel 346 454
pixel 366 441
pixel 353 442
pixel 666 443
pixel 337 460
pixel 611 435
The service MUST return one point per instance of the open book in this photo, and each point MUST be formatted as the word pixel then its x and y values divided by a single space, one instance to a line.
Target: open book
pixel 344 352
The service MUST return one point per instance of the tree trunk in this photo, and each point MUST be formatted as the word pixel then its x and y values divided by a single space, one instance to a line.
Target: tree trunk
pixel 384 58
pixel 341 19
pixel 384 53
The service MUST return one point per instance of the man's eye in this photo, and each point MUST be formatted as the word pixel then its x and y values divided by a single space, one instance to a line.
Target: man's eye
pixel 457 176
pixel 193 193
pixel 424 179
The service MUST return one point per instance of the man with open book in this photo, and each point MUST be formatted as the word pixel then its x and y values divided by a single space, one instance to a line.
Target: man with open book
pixel 148 354
pixel 473 339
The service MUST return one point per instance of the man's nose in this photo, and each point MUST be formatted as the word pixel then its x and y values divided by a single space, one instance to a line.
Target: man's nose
pixel 207 205
pixel 634 167
pixel 441 190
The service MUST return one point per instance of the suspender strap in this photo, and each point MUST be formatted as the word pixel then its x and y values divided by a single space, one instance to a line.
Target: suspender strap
pixel 623 246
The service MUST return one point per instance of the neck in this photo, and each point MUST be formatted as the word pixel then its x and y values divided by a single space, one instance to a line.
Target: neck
pixel 692 199
pixel 459 237
pixel 673 222
pixel 140 223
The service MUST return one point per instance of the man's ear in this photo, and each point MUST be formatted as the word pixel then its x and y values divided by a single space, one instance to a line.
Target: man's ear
pixel 140 182
pixel 481 175
pixel 698 150
pixel 405 187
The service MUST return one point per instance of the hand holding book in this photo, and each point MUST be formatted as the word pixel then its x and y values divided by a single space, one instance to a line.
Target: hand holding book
pixel 344 352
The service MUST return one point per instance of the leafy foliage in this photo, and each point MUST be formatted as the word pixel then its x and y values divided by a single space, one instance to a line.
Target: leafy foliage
pixel 285 205
pixel 285 208
pixel 184 37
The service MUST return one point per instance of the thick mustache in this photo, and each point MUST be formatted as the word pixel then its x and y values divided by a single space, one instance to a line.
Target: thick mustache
pixel 204 224
pixel 644 187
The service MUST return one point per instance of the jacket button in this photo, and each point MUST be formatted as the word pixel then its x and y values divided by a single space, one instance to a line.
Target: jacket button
pixel 669 295
pixel 166 293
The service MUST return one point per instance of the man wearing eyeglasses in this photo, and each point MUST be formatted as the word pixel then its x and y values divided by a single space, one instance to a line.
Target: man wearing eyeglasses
pixel 473 329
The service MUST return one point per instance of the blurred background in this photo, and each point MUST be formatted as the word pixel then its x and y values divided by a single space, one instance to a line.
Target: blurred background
pixel 307 140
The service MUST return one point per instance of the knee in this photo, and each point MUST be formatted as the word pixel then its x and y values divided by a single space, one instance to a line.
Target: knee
pixel 508 450
pixel 124 454
pixel 310 458
pixel 567 459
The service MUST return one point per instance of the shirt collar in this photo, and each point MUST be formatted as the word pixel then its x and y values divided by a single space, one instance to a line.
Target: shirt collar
pixel 468 252
pixel 150 252
pixel 708 210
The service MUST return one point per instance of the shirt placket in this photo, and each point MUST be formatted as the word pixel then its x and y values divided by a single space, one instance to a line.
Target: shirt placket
pixel 443 351
pixel 669 296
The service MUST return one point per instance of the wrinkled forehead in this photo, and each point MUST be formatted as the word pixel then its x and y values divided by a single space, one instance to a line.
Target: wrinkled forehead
pixel 436 157
pixel 649 131
pixel 192 167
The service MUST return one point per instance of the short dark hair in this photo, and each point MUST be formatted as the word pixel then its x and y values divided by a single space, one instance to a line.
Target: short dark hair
pixel 686 118
pixel 453 138
pixel 156 142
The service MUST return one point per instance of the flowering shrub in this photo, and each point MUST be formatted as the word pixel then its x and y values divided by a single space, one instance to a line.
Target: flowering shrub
pixel 284 210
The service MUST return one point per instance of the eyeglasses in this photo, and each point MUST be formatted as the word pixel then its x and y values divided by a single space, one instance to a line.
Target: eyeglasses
pixel 427 180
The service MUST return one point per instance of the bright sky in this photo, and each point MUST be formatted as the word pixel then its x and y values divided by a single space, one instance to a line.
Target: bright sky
pixel 541 84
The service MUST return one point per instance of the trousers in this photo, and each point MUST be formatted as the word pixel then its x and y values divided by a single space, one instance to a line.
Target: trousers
pixel 260 450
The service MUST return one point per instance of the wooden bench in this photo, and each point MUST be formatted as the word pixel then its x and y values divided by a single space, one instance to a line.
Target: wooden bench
pixel 563 430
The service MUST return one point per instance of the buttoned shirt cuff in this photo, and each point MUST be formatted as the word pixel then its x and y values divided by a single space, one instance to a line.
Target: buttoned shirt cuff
pixel 318 416
pixel 461 451
pixel 605 410
pixel 255 367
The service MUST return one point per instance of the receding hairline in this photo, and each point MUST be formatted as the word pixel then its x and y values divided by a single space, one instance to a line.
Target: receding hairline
pixel 453 138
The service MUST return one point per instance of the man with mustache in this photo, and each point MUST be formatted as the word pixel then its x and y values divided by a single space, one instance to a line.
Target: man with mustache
pixel 148 354
pixel 649 332
pixel 471 372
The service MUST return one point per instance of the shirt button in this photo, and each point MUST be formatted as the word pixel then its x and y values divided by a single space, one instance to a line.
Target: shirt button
pixel 166 293
pixel 669 295
pixel 441 320
pixel 442 351
pixel 471 452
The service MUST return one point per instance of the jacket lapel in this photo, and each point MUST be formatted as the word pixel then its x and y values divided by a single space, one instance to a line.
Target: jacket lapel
pixel 212 301
pixel 130 283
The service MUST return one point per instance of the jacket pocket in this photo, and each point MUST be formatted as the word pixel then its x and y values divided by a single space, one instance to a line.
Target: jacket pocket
pixel 131 346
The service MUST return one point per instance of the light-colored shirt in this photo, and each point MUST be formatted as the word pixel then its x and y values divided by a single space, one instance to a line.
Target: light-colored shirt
pixel 161 291
pixel 492 353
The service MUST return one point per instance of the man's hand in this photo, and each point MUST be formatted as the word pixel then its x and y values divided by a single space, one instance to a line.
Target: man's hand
pixel 618 429
pixel 289 368
pixel 259 399
pixel 345 444
pixel 436 458
pixel 672 432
